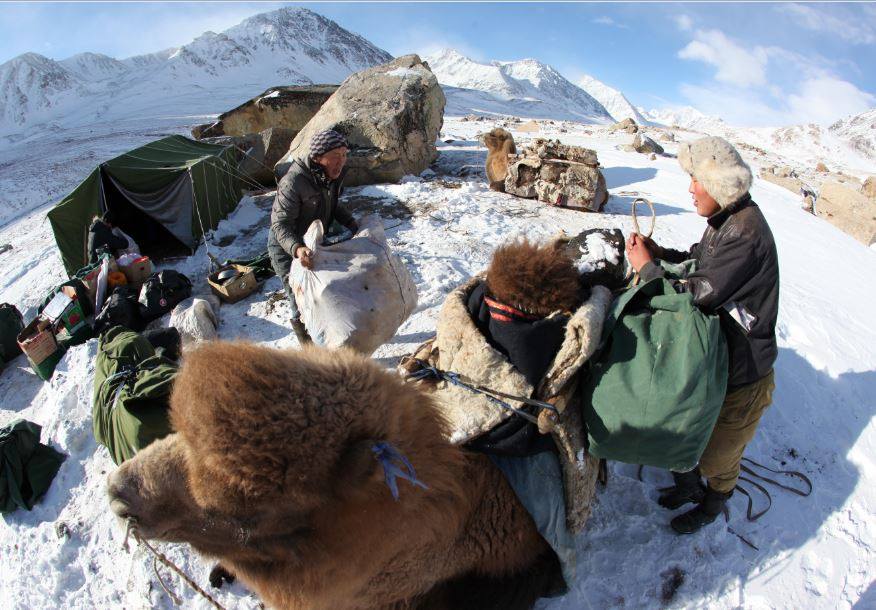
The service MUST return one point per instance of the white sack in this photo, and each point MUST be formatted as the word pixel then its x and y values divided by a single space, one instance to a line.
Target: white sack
pixel 196 319
pixel 358 292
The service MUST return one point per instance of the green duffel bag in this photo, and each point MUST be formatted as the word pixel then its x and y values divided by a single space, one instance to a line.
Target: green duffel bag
pixel 131 393
pixel 654 391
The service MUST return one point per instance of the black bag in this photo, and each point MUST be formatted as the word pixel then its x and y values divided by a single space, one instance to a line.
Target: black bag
pixel 161 292
pixel 166 341
pixel 11 323
pixel 120 309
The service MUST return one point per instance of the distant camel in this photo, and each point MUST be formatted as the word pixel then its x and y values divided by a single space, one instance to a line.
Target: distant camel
pixel 500 144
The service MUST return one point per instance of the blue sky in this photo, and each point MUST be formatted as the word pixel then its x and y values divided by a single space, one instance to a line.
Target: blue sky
pixel 768 64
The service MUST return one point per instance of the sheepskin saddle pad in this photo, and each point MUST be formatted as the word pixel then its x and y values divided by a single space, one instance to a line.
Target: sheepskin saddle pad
pixel 459 347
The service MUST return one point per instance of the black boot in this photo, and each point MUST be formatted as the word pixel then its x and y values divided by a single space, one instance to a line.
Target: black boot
pixel 687 488
pixel 300 331
pixel 702 514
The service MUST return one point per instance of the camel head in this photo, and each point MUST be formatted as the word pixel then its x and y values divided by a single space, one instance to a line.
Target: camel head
pixel 276 452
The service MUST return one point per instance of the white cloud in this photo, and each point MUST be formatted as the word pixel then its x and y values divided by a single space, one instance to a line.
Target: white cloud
pixel 606 20
pixel 813 100
pixel 769 86
pixel 735 64
pixel 849 27
pixel 741 107
pixel 684 22
pixel 824 100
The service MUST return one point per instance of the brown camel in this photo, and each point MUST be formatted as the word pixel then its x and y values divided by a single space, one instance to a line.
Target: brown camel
pixel 500 144
pixel 272 470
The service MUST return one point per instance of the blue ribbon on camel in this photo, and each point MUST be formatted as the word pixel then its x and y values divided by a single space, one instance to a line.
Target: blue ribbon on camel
pixel 395 466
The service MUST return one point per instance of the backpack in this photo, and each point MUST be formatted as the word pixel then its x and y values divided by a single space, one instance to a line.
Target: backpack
pixel 132 386
pixel 654 391
pixel 161 292
pixel 120 309
pixel 11 323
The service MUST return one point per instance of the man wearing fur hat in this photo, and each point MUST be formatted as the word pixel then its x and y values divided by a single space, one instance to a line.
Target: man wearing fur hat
pixel 737 277
pixel 309 191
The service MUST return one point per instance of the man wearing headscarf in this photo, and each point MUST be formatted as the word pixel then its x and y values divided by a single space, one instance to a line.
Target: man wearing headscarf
pixel 309 191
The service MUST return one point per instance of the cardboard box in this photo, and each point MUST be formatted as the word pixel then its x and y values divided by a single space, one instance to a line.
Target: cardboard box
pixel 235 289
pixel 38 343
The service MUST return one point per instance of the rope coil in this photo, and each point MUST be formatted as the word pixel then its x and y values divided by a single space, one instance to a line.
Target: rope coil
pixel 131 532
pixel 636 229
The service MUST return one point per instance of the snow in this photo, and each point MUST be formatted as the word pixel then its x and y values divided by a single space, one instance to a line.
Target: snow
pixel 403 73
pixel 814 552
pixel 597 254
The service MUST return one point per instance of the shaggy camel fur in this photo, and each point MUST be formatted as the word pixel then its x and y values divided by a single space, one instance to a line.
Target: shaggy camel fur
pixel 272 471
pixel 500 144
pixel 538 279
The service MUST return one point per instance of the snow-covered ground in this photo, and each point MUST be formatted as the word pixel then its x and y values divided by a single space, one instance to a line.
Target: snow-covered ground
pixel 815 552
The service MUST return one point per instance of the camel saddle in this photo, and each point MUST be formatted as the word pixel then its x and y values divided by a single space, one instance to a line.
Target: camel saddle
pixel 460 347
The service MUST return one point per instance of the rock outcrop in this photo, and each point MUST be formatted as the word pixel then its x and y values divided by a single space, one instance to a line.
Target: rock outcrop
pixel 628 125
pixel 782 176
pixel 645 145
pixel 848 210
pixel 391 116
pixel 283 107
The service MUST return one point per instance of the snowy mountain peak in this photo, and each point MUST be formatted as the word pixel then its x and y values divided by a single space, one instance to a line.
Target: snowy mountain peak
pixel 617 104
pixel 322 40
pixel 282 47
pixel 860 132
pixel 525 87
pixel 93 66
pixel 686 117
pixel 31 82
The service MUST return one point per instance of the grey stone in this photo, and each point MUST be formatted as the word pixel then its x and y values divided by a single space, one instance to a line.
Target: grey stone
pixel 390 114
pixel 284 107
pixel 646 145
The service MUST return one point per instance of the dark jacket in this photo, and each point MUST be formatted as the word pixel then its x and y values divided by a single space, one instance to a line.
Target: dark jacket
pixel 530 344
pixel 304 195
pixel 102 239
pixel 737 277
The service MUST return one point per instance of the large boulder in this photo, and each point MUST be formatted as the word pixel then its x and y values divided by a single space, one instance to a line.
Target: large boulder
pixel 628 125
pixel 558 174
pixel 284 107
pixel 646 145
pixel 848 210
pixel 782 176
pixel 390 114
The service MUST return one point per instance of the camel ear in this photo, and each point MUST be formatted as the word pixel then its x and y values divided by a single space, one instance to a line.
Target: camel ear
pixel 357 466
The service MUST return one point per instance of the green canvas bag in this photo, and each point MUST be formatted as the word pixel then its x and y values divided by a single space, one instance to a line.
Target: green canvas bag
pixel 27 467
pixel 132 388
pixel 654 391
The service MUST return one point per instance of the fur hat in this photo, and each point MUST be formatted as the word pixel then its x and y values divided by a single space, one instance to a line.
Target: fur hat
pixel 536 279
pixel 716 164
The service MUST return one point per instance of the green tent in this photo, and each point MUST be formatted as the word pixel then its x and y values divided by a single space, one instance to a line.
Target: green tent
pixel 165 195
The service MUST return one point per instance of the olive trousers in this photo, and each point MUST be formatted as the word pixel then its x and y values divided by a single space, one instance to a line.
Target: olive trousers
pixel 736 425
